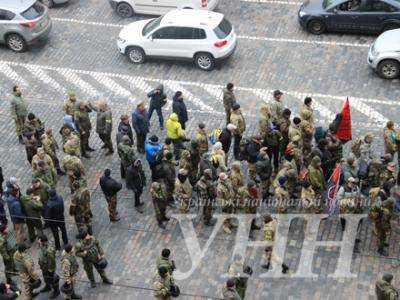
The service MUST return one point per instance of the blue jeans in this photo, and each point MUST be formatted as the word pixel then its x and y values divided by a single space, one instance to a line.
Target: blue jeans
pixel 159 113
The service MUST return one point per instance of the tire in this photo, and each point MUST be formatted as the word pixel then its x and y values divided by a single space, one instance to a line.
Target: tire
pixel 16 42
pixel 136 55
pixel 48 3
pixel 390 27
pixel 204 61
pixel 316 26
pixel 389 69
pixel 124 10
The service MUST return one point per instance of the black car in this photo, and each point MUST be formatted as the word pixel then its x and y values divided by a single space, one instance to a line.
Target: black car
pixel 366 16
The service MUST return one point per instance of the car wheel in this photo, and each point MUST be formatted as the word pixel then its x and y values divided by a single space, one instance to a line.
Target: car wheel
pixel 16 42
pixel 389 69
pixel 316 27
pixel 390 27
pixel 204 61
pixel 124 10
pixel 48 3
pixel 136 55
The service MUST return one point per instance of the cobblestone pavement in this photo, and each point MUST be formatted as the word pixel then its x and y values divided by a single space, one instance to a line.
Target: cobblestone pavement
pixel 273 53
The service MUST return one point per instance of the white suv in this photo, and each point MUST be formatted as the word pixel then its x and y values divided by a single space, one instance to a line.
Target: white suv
pixel 126 8
pixel 187 34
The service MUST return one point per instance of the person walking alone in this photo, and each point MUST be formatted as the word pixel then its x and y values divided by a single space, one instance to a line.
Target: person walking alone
pixel 157 101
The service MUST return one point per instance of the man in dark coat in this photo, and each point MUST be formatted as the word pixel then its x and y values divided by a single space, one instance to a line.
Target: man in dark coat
pixel 136 181
pixel 226 137
pixel 124 128
pixel 140 123
pixel 179 107
pixel 54 215
pixel 157 101
pixel 110 188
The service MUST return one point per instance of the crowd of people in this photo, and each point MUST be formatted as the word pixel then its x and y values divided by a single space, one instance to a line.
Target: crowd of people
pixel 288 162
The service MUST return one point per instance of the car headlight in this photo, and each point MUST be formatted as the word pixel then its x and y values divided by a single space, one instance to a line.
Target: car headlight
pixel 301 13
pixel 121 40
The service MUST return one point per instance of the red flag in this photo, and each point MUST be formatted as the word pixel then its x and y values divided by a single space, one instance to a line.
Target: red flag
pixel 333 187
pixel 344 130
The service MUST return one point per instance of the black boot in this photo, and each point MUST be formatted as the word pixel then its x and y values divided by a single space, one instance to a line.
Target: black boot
pixel 285 268
pixel 76 296
pixel 161 225
pixel 343 223
pixel 254 226
pixel 107 281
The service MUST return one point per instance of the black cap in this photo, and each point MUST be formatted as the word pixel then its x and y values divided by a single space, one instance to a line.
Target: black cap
pixel 162 271
pixel 154 139
pixel 277 93
pixel 165 253
pixel 235 106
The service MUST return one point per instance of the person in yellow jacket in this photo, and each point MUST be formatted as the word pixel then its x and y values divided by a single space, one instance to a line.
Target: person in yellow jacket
pixel 175 133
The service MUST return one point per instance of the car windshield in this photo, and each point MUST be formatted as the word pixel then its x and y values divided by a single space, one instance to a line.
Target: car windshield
pixel 328 3
pixel 223 29
pixel 33 12
pixel 149 27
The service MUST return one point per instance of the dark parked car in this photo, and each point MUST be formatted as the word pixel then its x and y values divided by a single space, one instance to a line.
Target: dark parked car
pixel 365 16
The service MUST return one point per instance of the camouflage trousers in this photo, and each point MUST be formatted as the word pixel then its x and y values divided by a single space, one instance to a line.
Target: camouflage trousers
pixel 83 223
pixel 88 267
pixel 19 124
pixel 35 229
pixel 27 291
pixel 112 207
pixel 159 208
pixel 252 171
pixel 207 212
pixel 68 295
pixel 184 205
pixel 20 234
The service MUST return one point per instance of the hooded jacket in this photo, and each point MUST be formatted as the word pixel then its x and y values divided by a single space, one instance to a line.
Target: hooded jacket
pixel 14 208
pixel 174 128
pixel 157 99
pixel 179 107
pixel 151 151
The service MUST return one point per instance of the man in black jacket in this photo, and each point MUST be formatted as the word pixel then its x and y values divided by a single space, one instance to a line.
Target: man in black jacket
pixel 252 151
pixel 54 215
pixel 110 188
pixel 136 181
pixel 157 101
pixel 226 138
pixel 124 128
pixel 179 107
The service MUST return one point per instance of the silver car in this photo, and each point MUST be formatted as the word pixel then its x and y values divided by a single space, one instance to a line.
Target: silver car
pixel 384 54
pixel 22 22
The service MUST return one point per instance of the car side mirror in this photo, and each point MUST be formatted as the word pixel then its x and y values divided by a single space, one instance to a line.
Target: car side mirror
pixel 150 37
pixel 335 10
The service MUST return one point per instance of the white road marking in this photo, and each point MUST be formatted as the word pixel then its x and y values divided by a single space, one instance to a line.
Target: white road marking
pixel 213 90
pixel 79 82
pixel 106 79
pixel 12 75
pixel 38 72
pixel 244 37
pixel 274 2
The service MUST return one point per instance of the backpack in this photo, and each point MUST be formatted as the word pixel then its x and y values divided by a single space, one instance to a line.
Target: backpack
pixel 214 135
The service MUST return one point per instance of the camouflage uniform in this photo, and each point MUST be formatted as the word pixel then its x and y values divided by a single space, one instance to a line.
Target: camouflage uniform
pixel 307 113
pixel 18 113
pixel 165 262
pixel 374 173
pixel 159 199
pixel 70 104
pixel 388 175
pixel 202 141
pixel 46 175
pixel 276 109
pixel 42 156
pixel 237 177
pixel 42 191
pixel 26 270
pixel 34 127
pixel 183 194
pixel 308 200
pixel 82 121
pixel 264 121
pixel 69 269
pixel 50 147
pixel 385 291
pixel 295 131
pixel 225 198
pixel 73 146
pixel 184 162
pixel 47 263
pixel 162 286
pixel 207 194
pixel 80 209
pixel 238 120
pixel 126 153
pixel 307 131
pixel 90 251
pixel 281 196
pixel 72 164
pixel 228 99
pixel 389 137
pixel 33 208
pixel 230 294
pixel 316 176
pixel 7 251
